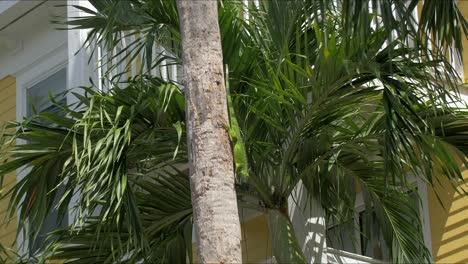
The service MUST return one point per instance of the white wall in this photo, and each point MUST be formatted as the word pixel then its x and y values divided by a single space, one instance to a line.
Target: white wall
pixel 308 219
pixel 35 38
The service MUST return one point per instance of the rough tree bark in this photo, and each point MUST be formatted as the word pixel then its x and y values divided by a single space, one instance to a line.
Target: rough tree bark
pixel 211 163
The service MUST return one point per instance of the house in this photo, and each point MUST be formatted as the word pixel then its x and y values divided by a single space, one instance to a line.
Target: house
pixel 34 56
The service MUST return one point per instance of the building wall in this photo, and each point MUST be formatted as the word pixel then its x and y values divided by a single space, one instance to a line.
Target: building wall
pixel 449 220
pixel 256 244
pixel 449 223
pixel 7 113
pixel 463 5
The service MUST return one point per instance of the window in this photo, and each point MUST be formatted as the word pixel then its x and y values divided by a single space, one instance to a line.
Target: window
pixel 343 237
pixel 38 95
pixel 361 235
pixel 37 100
pixel 372 242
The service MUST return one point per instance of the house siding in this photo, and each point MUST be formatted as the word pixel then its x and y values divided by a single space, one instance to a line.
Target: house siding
pixel 463 5
pixel 449 222
pixel 256 244
pixel 7 113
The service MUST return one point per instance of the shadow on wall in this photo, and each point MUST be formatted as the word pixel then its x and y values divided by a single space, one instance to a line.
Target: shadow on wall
pixel 449 224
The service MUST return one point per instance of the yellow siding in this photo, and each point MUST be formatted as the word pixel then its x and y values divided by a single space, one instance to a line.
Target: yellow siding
pixel 419 9
pixel 463 5
pixel 449 223
pixel 256 244
pixel 7 113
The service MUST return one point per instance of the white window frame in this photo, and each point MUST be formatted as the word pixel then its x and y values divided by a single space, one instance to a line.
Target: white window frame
pixel 26 78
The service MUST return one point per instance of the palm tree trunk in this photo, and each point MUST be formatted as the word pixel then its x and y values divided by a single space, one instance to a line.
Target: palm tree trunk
pixel 211 163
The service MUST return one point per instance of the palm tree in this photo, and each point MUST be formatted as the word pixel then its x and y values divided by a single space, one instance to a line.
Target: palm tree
pixel 211 158
pixel 152 112
pixel 330 95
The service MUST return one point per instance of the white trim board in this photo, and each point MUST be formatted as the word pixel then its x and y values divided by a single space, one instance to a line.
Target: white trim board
pixel 37 71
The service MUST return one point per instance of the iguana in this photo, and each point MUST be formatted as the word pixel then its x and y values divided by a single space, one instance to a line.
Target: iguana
pixel 238 146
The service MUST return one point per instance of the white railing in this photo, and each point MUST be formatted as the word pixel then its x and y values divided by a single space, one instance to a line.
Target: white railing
pixel 335 256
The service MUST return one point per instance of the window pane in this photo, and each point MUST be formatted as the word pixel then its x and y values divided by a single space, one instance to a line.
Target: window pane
pixel 372 242
pixel 38 101
pixel 343 237
pixel 50 224
pixel 38 95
